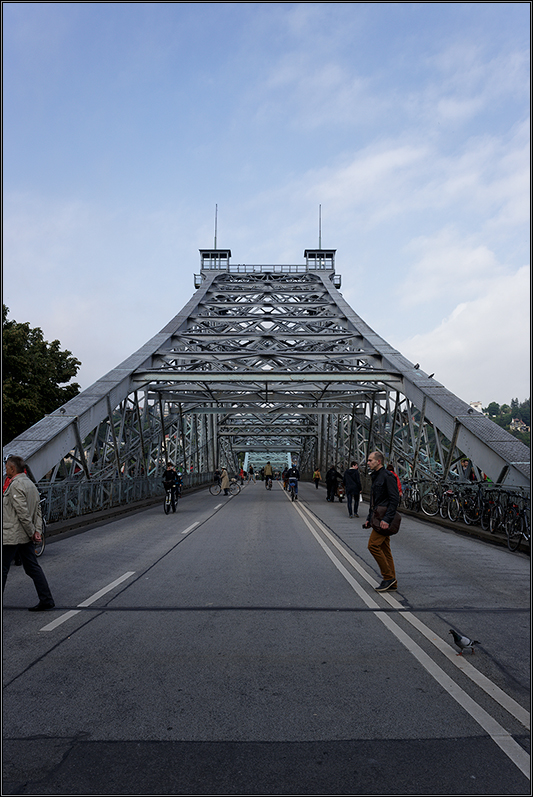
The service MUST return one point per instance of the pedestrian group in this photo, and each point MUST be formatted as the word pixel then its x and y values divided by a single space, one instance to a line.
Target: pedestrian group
pixel 22 518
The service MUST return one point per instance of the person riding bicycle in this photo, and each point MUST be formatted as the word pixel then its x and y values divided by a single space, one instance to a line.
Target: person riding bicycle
pixel 268 473
pixel 171 480
pixel 293 475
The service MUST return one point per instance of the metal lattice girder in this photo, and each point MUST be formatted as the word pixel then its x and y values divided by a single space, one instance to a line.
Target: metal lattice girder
pixel 267 358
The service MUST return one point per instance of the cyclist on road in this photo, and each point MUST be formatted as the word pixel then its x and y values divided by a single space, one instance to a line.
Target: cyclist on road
pixel 293 475
pixel 171 480
pixel 268 474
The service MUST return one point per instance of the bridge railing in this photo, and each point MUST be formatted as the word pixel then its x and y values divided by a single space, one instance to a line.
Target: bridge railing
pixel 70 499
pixel 245 268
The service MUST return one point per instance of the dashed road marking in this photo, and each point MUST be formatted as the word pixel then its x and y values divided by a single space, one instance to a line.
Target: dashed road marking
pixel 64 617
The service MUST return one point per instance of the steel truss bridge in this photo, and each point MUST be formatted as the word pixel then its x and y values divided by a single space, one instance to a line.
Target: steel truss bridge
pixel 263 362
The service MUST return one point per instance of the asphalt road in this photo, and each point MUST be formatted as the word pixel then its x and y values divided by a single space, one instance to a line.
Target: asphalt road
pixel 239 647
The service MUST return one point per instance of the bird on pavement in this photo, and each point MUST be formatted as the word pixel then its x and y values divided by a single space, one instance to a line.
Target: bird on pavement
pixel 463 642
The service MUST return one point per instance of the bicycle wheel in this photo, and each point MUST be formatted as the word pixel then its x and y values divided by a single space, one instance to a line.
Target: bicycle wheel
pixel 429 503
pixel 486 510
pixel 471 511
pixel 513 529
pixel 495 519
pixel 234 489
pixel 215 489
pixel 526 530
pixel 39 546
pixel 444 504
pixel 174 502
pixel 166 504
pixel 411 499
pixel 454 508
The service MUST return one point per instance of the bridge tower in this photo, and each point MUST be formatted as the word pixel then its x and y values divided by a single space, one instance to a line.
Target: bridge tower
pixel 263 359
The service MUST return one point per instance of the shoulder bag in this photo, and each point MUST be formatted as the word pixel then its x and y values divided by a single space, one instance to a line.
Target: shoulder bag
pixel 377 516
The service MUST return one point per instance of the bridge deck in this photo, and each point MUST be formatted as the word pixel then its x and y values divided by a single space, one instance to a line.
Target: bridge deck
pixel 247 652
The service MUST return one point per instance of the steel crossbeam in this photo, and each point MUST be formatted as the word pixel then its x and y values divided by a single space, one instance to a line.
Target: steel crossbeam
pixel 266 358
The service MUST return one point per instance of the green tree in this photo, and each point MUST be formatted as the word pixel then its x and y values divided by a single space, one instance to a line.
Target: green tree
pixel 33 373
pixel 524 412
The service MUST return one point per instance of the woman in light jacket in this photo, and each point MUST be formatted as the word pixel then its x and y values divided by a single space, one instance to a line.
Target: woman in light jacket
pixel 224 481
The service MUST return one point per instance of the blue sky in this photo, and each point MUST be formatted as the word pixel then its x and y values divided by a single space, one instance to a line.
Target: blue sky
pixel 125 123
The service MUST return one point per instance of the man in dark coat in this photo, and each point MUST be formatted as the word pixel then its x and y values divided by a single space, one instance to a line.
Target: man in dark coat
pixel 352 485
pixel 384 493
pixel 332 476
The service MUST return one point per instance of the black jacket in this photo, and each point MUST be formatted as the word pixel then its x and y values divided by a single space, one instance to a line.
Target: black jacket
pixel 332 475
pixel 352 480
pixel 170 477
pixel 384 492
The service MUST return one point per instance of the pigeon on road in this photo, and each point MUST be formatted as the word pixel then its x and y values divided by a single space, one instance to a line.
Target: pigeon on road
pixel 463 642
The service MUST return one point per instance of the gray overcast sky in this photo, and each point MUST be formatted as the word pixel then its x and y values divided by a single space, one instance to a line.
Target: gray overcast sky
pixel 124 124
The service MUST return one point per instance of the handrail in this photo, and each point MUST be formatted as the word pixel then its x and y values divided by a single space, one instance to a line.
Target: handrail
pixel 243 268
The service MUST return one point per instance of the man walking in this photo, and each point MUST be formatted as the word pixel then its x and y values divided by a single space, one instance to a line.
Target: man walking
pixel 331 483
pixel 384 492
pixel 352 485
pixel 22 528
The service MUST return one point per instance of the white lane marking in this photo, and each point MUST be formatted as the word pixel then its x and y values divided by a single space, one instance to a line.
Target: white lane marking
pixel 498 734
pixel 64 617
pixel 191 527
pixel 218 506
pixel 497 694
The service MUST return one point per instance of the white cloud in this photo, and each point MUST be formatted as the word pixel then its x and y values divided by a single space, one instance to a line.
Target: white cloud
pixel 447 267
pixel 481 351
pixel 470 81
pixel 101 281
pixel 318 92
pixel 412 138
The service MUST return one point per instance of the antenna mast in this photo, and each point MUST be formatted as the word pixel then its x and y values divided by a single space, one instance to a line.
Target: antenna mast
pixel 216 214
pixel 320 226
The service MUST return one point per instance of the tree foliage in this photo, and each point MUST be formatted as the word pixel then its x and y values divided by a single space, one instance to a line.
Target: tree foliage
pixel 504 414
pixel 33 374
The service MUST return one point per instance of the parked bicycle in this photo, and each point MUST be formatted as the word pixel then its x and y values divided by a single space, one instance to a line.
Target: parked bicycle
pixel 411 496
pixel 493 507
pixel 517 523
pixel 438 501
pixel 491 512
pixel 473 505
